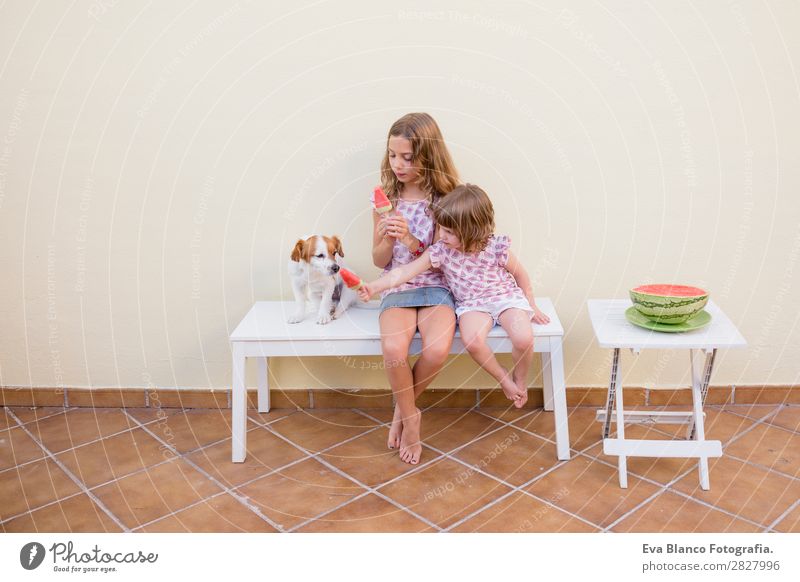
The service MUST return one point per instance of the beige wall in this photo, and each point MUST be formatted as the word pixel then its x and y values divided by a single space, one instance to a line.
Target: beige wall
pixel 157 163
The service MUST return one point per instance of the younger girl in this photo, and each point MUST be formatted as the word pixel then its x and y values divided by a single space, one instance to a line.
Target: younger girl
pixel 489 284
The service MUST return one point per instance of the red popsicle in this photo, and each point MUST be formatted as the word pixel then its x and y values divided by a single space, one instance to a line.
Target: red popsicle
pixel 351 279
pixel 381 202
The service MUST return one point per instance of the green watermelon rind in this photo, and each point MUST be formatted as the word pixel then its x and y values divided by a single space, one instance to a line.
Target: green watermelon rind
pixel 669 310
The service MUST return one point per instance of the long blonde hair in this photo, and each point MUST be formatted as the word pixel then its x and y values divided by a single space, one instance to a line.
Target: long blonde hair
pixel 469 213
pixel 437 173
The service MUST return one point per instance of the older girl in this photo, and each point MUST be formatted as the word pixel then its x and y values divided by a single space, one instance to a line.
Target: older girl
pixel 416 172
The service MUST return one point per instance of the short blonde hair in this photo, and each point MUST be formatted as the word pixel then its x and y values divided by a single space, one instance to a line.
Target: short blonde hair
pixel 437 172
pixel 469 213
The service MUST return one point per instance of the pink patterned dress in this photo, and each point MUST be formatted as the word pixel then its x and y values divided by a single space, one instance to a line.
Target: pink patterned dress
pixel 480 281
pixel 420 224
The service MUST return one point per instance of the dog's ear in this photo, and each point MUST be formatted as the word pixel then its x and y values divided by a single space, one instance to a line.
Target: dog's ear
pixel 337 246
pixel 297 253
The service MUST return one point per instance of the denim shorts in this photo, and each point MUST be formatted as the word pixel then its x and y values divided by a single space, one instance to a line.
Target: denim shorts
pixel 421 297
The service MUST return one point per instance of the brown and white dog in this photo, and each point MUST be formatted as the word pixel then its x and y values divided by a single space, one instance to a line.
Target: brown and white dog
pixel 314 270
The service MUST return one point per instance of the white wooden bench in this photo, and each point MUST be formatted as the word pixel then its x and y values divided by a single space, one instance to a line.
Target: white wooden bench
pixel 264 333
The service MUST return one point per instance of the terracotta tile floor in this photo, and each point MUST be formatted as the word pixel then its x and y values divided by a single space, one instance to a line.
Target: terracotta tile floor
pixel 488 470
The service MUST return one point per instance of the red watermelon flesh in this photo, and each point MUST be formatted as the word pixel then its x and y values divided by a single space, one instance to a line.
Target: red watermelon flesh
pixel 351 279
pixel 671 290
pixel 381 202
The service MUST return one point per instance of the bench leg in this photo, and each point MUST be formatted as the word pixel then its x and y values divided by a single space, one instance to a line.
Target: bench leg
pixel 263 384
pixel 559 398
pixel 239 405
pixel 547 381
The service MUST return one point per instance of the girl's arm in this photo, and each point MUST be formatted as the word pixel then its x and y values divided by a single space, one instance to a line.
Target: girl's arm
pixel 396 276
pixel 514 267
pixel 382 245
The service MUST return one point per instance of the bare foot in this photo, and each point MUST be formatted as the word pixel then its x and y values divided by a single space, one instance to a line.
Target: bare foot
pixel 522 390
pixel 523 395
pixel 410 445
pixel 512 392
pixel 395 430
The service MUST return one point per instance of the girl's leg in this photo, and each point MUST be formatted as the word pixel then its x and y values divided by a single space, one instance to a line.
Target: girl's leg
pixel 398 325
pixel 517 324
pixel 436 324
pixel 475 326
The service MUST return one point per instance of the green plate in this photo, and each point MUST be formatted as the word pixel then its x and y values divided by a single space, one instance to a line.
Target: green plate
pixel 702 319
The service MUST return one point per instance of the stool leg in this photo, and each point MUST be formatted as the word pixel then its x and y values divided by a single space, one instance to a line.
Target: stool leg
pixel 239 405
pixel 622 462
pixel 263 384
pixel 612 388
pixel 699 393
pixel 709 366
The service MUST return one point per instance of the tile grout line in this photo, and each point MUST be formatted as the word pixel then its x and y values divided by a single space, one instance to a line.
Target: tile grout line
pixel 658 493
pixel 81 485
pixel 782 516
pixel 759 422
pixel 518 489
pixel 426 464
pixel 20 423
pixel 364 494
pixel 170 460
pixel 38 507
pixel 762 421
pixel 763 467
pixel 665 488
pixel 720 509
pixel 375 491
pixel 513 488
pixel 316 456
pixel 504 424
pixel 668 488
pixel 75 447
pixel 133 473
pixel 309 520
pixel 661 487
pixel 104 484
pixel 548 439
pixel 226 489
pixel 231 490
pixel 97 440
pixel 306 456
pixel 177 511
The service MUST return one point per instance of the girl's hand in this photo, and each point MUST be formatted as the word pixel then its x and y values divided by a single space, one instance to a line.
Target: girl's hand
pixel 539 316
pixel 364 293
pixel 382 227
pixel 397 227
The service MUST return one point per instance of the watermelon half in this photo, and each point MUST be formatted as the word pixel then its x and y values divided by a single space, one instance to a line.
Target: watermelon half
pixel 668 303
